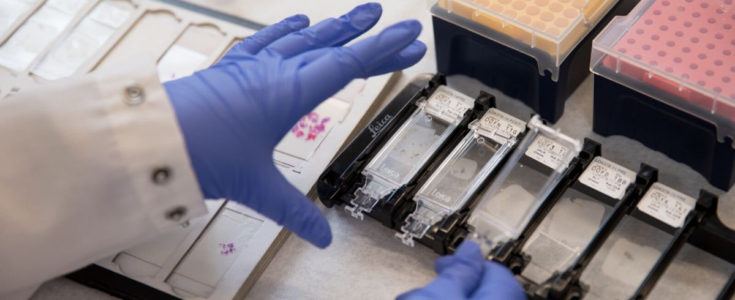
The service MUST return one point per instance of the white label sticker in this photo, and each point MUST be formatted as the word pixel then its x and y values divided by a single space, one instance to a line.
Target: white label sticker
pixel 548 152
pixel 607 177
pixel 500 124
pixel 448 104
pixel 666 204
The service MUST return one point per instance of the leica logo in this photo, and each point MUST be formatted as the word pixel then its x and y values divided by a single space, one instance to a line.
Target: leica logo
pixel 376 127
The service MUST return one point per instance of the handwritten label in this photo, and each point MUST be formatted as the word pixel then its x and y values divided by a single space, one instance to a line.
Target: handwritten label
pixel 548 152
pixel 448 104
pixel 607 177
pixel 500 126
pixel 666 204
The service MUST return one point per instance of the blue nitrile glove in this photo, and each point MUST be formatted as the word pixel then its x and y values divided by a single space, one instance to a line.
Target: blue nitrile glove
pixel 234 113
pixel 467 275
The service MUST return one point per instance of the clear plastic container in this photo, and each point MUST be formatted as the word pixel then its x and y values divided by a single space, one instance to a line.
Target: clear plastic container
pixel 681 53
pixel 536 167
pixel 546 30
pixel 462 173
pixel 410 147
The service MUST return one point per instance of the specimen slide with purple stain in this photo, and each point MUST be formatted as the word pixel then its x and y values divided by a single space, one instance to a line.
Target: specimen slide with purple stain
pixel 214 253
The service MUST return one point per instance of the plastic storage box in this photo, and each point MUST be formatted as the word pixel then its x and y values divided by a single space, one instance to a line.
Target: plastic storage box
pixel 535 51
pixel 665 76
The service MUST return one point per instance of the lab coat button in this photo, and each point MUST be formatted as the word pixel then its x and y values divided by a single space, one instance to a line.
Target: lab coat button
pixel 176 214
pixel 161 175
pixel 134 95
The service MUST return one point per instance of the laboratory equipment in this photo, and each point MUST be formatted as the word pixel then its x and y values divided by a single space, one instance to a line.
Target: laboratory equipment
pixel 573 219
pixel 663 76
pixel 728 291
pixel 45 41
pixel 402 158
pixel 347 174
pixel 533 51
pixel 567 282
pixel 570 223
pixel 691 273
pixel 639 241
pixel 611 274
pixel 463 172
pixel 537 167
pixel 682 212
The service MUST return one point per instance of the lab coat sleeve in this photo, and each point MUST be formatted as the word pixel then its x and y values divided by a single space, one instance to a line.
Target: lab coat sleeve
pixel 88 167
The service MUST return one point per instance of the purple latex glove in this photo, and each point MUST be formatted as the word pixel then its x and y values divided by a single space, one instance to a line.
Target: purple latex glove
pixel 234 113
pixel 467 275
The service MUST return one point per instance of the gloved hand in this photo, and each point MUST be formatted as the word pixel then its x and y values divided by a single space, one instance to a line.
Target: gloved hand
pixel 467 275
pixel 234 113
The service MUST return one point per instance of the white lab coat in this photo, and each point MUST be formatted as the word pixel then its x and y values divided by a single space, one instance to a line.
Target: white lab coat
pixel 88 167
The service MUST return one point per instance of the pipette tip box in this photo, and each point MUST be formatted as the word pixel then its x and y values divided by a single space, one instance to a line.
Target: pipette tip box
pixel 534 51
pixel 664 76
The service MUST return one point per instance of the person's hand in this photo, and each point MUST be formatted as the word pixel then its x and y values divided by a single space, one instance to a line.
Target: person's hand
pixel 467 275
pixel 234 113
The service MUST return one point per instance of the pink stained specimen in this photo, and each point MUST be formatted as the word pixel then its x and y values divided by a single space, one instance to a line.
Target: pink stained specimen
pixel 310 126
pixel 227 248
pixel 692 41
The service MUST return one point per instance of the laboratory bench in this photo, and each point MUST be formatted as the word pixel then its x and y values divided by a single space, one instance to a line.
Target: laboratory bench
pixel 366 261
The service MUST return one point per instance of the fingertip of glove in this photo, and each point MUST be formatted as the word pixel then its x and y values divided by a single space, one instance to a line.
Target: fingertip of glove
pixel 409 29
pixel 298 21
pixel 365 16
pixel 412 25
pixel 324 239
pixel 315 228
pixel 373 8
pixel 416 50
